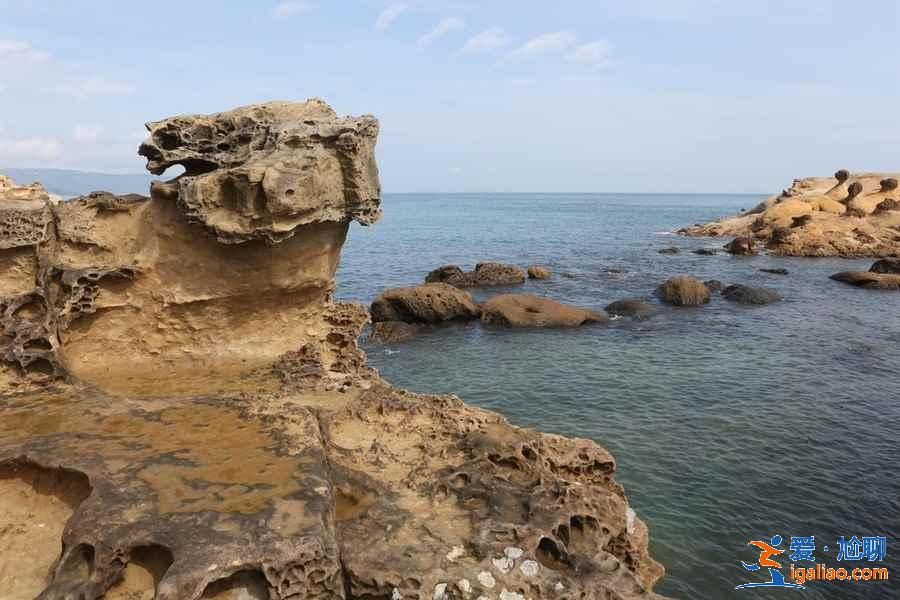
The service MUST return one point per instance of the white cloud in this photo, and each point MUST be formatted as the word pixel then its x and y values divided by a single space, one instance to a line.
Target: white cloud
pixel 547 43
pixel 95 86
pixel 87 133
pixel 389 15
pixel 284 10
pixel 440 30
pixel 594 53
pixel 21 51
pixel 29 149
pixel 486 41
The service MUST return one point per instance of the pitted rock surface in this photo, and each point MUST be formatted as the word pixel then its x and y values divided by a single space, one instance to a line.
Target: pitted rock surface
pixel 186 413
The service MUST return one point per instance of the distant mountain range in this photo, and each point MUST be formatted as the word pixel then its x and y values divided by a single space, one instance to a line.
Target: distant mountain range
pixel 68 183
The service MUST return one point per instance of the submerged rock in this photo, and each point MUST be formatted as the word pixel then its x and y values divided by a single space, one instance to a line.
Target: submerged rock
pixel 683 290
pixel 714 285
pixel 538 272
pixel 485 274
pixel 745 294
pixel 886 265
pixel 390 332
pixel 528 310
pixel 426 303
pixel 669 250
pixel 706 251
pixel 186 413
pixel 776 271
pixel 630 307
pixel 742 246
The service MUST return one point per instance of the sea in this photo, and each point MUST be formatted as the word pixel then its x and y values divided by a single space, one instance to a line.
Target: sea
pixel 729 423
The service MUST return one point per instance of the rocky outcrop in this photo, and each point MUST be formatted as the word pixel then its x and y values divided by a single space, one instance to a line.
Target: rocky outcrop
pixel 485 274
pixel 528 310
pixel 741 246
pixel 427 303
pixel 845 215
pixel 884 274
pixel 630 307
pixel 683 290
pixel 187 415
pixel 746 294
pixel 886 265
pixel 538 272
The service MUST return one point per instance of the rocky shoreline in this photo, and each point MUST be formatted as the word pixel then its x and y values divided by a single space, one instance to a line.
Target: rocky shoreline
pixel 848 215
pixel 186 413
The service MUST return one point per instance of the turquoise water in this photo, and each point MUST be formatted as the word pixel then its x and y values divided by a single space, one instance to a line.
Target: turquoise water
pixel 728 423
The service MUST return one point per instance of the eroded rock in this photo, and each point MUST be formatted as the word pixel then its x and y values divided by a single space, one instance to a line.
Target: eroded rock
pixel 484 274
pixel 745 294
pixel 208 427
pixel 538 272
pixel 528 310
pixel 683 290
pixel 630 307
pixel 427 303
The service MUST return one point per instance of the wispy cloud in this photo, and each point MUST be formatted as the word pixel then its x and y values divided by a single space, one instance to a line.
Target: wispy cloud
pixel 595 53
pixel 95 86
pixel 486 41
pixel 440 30
pixel 387 17
pixel 22 51
pixel 284 10
pixel 556 42
pixel 26 149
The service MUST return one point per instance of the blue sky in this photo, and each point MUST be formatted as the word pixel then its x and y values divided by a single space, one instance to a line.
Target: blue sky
pixel 640 95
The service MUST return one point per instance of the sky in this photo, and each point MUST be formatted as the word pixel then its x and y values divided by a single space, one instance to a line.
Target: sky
pixel 490 96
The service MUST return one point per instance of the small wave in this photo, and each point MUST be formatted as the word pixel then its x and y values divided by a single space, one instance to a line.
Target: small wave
pixel 390 352
pixel 663 233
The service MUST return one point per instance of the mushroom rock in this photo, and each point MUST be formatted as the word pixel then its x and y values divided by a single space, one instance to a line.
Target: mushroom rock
pixel 888 184
pixel 528 310
pixel 857 217
pixel 485 274
pixel 187 412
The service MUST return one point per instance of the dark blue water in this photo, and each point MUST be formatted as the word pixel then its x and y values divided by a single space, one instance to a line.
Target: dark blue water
pixel 728 423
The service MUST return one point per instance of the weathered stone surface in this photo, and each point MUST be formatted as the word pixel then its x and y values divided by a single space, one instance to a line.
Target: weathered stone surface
pixel 390 332
pixel 426 303
pixel 869 279
pixel 745 294
pixel 187 416
pixel 528 310
pixel 262 171
pixel 630 307
pixel 846 215
pixel 683 290
pixel 538 272
pixel 485 274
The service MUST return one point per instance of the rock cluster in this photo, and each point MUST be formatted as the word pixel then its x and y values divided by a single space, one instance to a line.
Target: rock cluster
pixel 854 214
pixel 884 274
pixel 187 415
pixel 484 274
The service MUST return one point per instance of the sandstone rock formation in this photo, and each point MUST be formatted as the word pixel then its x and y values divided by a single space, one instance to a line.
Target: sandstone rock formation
pixel 528 310
pixel 390 332
pixel 538 272
pixel 630 307
pixel 186 413
pixel 427 303
pixel 683 290
pixel 886 265
pixel 884 274
pixel 746 294
pixel 846 215
pixel 484 274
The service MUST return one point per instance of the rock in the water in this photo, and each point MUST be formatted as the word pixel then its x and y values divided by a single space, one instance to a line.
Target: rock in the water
pixel 683 290
pixel 714 285
pixel 426 303
pixel 528 310
pixel 485 274
pixel 669 250
pixel 886 265
pixel 745 294
pixel 630 307
pixel 776 271
pixel 706 251
pixel 869 279
pixel 391 332
pixel 538 272
pixel 742 246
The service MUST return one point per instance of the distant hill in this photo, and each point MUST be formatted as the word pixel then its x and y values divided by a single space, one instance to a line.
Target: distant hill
pixel 68 183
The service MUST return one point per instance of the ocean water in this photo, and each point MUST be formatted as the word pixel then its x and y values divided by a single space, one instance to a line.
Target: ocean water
pixel 728 423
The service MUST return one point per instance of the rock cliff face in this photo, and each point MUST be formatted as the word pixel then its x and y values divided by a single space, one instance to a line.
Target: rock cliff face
pixel 846 215
pixel 186 414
